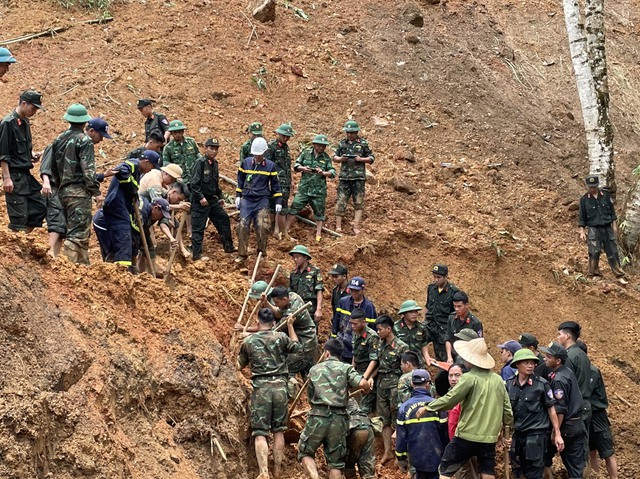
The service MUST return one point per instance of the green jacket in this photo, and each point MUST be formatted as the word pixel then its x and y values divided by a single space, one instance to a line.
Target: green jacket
pixel 405 388
pixel 389 358
pixel 352 170
pixel 484 402
pixel 416 338
pixel 266 353
pixel 182 154
pixel 365 349
pixel 306 283
pixel 313 184
pixel 329 383
pixel 304 326
pixel 279 154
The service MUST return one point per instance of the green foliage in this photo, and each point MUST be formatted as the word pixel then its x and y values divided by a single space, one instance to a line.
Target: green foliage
pixel 101 5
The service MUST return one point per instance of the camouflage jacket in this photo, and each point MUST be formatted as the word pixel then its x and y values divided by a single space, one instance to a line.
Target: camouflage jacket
pixel 182 154
pixel 313 184
pixel 365 349
pixel 73 165
pixel 304 326
pixel 266 353
pixel 352 170
pixel 405 387
pixel 329 383
pixel 306 283
pixel 279 154
pixel 389 355
pixel 357 418
pixel 415 338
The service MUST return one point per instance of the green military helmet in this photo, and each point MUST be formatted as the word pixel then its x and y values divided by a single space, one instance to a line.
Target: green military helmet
pixel 77 113
pixel 258 288
pixel 255 128
pixel 523 355
pixel 409 305
pixel 285 129
pixel 300 249
pixel 321 140
pixel 351 126
pixel 176 125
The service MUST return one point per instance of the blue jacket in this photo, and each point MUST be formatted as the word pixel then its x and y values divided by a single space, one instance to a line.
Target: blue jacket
pixel 422 440
pixel 122 192
pixel 507 372
pixel 257 181
pixel 342 327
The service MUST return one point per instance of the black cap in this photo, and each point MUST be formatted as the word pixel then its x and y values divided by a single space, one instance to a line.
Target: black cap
pixel 338 269
pixel 440 269
pixel 211 142
pixel 555 350
pixel 142 102
pixel 528 340
pixel 592 180
pixel 33 97
pixel 571 326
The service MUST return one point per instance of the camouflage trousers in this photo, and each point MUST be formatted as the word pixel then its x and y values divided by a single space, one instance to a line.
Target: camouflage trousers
pixel 77 212
pixel 349 189
pixel 326 427
pixel 56 222
pixel 367 402
pixel 603 238
pixel 360 451
pixel 256 213
pixel 317 203
pixel 269 403
pixel 302 361
pixel 387 404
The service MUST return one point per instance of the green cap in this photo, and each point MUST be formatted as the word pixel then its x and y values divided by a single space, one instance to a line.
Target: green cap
pixel 176 125
pixel 351 126
pixel 300 249
pixel 76 113
pixel 321 140
pixel 522 355
pixel 285 129
pixel 258 288
pixel 255 128
pixel 409 305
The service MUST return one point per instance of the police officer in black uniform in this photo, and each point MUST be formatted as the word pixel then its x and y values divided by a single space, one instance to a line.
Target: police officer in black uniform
pixel 207 201
pixel 153 121
pixel 338 274
pixel 597 213
pixel 534 413
pixel 439 307
pixel 566 392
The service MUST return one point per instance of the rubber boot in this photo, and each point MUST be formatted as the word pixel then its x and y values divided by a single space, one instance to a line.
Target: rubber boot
pixel 71 251
pixel 243 239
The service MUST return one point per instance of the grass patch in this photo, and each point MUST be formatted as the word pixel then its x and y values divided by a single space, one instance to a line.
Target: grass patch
pixel 102 6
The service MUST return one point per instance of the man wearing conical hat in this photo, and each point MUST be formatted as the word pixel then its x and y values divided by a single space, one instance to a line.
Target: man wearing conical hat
pixel 485 410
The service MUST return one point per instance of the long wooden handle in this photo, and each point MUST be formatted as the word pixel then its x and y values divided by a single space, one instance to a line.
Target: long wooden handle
pixel 304 386
pixel 253 313
pixel 307 306
pixel 183 218
pixel 136 211
pixel 253 278
pixel 507 464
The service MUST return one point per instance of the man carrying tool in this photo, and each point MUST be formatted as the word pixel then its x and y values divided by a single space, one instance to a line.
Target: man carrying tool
pixel 181 150
pixel 207 201
pixel 328 422
pixel 278 153
pixel 460 319
pixel 598 215
pixel 365 344
pixel 534 416
pixel 413 332
pixel 439 307
pixel 306 280
pixel 485 410
pixel 354 154
pixel 25 205
pixel 257 183
pixel 388 369
pixel 6 59
pixel 341 328
pixel 420 442
pixel 266 353
pixel 153 121
pixel 254 130
pixel 73 170
pixel 315 166
pixel 569 405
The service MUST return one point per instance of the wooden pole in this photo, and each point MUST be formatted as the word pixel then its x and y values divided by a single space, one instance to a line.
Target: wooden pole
pixel 298 311
pixel 304 385
pixel 173 250
pixel 253 278
pixel 507 463
pixel 136 211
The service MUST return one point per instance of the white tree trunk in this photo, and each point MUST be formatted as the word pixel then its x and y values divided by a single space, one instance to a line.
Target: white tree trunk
pixel 629 230
pixel 594 103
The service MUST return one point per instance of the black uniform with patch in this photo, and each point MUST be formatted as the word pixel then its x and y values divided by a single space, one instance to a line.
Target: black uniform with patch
pixel 439 307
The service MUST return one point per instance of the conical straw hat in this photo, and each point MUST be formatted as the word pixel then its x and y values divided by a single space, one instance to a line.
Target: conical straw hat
pixel 475 352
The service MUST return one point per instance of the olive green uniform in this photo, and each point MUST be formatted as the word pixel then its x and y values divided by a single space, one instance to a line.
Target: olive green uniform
pixel 278 152
pixel 182 154
pixel 266 353
pixel 312 189
pixel 360 444
pixel 353 174
pixel 305 328
pixel 365 350
pixel 416 337
pixel 405 388
pixel 328 422
pixel 389 372
pixel 307 283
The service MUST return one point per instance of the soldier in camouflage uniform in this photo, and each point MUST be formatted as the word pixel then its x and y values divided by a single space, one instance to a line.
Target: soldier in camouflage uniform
pixel 409 362
pixel 413 332
pixel 266 353
pixel 365 342
pixel 278 153
pixel 315 166
pixel 56 224
pixel 328 422
pixel 390 351
pixel 73 170
pixel 354 153
pixel 181 150
pixel 306 280
pixel 254 130
pixel 360 444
